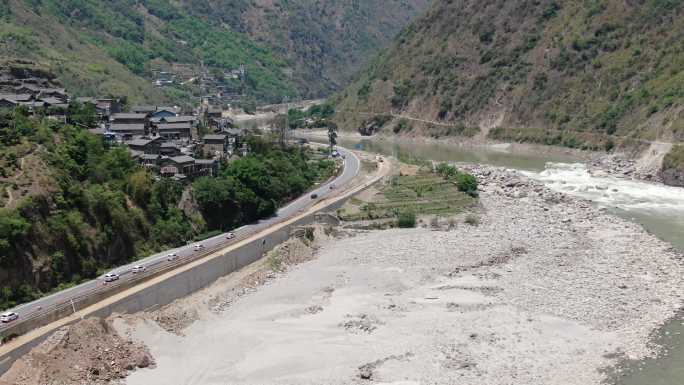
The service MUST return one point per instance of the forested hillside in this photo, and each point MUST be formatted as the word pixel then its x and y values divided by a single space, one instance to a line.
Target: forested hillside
pixel 72 206
pixel 578 73
pixel 110 47
pixel 98 47
pixel 327 41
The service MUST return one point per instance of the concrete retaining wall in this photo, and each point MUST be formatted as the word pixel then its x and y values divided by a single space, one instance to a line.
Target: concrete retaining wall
pixel 181 284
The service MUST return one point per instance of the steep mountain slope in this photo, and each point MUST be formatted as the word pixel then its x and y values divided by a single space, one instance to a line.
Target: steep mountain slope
pixel 580 73
pixel 328 41
pixel 110 46
pixel 289 48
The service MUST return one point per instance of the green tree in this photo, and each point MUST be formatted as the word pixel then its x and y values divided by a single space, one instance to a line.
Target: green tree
pixel 467 183
pixel 407 219
pixel 332 135
pixel 13 229
pixel 446 171
pixel 83 115
pixel 165 195
pixel 140 185
pixel 217 201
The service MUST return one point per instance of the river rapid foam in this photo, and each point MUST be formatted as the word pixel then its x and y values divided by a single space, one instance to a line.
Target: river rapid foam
pixel 625 194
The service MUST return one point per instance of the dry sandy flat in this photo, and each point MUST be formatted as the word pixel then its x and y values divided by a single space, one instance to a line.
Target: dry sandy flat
pixel 546 290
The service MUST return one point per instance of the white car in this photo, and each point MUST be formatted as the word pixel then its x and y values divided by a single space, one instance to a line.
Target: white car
pixel 8 317
pixel 230 235
pixel 172 257
pixel 139 269
pixel 199 247
pixel 111 277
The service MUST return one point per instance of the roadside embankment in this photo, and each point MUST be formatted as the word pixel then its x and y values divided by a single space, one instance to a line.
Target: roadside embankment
pixel 541 289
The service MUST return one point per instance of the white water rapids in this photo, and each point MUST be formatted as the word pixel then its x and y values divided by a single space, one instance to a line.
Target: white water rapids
pixel 657 206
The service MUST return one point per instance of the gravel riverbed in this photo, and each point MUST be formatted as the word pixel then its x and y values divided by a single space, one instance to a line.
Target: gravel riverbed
pixel 547 289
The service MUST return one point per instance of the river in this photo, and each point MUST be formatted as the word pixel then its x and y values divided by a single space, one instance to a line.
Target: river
pixel 658 208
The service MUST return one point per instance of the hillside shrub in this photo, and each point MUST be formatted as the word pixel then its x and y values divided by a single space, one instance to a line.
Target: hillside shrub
pixel 472 220
pixel 406 220
pixel 467 183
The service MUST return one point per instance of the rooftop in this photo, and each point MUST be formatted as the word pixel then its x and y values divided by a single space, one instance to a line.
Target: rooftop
pixel 53 91
pixel 214 137
pixel 28 87
pixel 127 127
pixel 52 100
pixel 139 142
pixel 233 131
pixel 128 115
pixel 174 110
pixel 175 119
pixel 173 126
pixel 182 159
pixel 16 97
pixel 145 109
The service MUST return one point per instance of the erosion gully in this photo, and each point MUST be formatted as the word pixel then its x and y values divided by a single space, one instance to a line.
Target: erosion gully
pixel 658 208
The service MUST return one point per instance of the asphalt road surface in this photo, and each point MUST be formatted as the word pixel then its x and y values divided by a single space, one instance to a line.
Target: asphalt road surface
pixel 161 260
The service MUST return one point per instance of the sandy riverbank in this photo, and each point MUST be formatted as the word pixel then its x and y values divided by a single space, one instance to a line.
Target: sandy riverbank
pixel 546 290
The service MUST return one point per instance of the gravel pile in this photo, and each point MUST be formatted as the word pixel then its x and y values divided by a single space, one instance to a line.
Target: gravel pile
pixel 88 352
pixel 621 167
pixel 583 264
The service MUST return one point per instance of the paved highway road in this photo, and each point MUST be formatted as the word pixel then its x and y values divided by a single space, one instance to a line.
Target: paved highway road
pixel 187 253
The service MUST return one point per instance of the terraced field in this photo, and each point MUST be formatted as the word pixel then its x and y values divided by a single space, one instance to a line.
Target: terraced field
pixel 425 194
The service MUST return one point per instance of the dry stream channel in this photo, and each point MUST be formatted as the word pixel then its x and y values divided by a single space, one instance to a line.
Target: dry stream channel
pixel 658 208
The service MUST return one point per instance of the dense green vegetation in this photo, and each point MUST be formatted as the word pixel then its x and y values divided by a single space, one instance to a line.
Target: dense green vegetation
pixel 98 208
pixel 315 117
pixel 466 183
pixel 327 41
pixel 590 74
pixel 254 186
pixel 406 220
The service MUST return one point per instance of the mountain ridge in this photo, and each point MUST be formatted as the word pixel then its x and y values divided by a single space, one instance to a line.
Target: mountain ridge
pixel 102 48
pixel 573 73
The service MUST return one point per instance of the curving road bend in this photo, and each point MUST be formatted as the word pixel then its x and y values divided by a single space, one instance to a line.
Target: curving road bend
pixel 160 262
